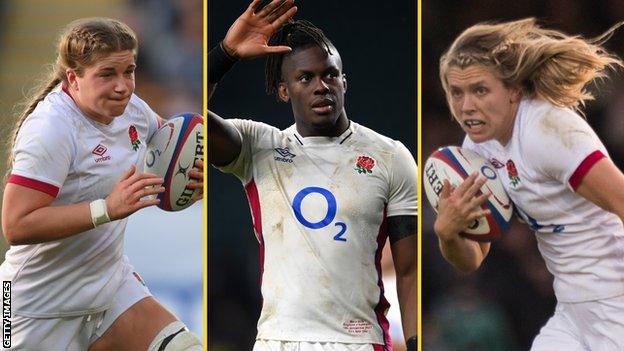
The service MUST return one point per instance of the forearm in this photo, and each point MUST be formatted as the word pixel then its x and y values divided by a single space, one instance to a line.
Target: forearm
pixel 408 301
pixel 219 63
pixel 48 224
pixel 464 254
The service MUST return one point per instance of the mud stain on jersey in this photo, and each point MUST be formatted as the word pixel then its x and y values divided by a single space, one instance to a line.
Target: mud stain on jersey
pixel 330 307
pixel 561 129
pixel 277 229
pixel 324 281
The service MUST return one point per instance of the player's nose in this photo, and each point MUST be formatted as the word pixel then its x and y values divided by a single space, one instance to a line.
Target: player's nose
pixel 121 86
pixel 320 86
pixel 467 104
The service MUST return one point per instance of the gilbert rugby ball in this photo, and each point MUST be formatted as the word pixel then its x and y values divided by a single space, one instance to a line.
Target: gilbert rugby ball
pixel 171 153
pixel 456 164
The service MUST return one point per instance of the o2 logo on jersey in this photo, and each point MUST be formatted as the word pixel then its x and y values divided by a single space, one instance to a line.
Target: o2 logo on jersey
pixel 488 172
pixel 332 207
pixel 151 156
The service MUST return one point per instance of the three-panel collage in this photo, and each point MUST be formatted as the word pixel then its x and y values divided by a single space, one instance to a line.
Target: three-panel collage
pixel 289 175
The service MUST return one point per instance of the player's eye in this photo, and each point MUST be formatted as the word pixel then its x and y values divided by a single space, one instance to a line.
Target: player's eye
pixel 481 90
pixel 331 75
pixel 456 93
pixel 304 78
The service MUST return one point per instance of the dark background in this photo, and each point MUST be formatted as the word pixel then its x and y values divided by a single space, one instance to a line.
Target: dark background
pixel 377 43
pixel 505 303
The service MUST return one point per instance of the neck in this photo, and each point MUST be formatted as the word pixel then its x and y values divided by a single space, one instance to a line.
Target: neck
pixel 505 137
pixel 334 130
pixel 89 114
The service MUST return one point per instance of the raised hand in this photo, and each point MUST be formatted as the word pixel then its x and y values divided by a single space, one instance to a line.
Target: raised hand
pixel 125 198
pixel 458 208
pixel 248 37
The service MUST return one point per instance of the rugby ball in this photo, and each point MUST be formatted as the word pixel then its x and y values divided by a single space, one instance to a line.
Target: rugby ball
pixel 171 154
pixel 456 164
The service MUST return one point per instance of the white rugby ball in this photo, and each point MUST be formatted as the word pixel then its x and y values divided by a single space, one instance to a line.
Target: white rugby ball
pixel 456 164
pixel 171 154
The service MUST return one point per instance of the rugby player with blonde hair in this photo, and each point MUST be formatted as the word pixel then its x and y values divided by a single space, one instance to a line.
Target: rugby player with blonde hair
pixel 516 90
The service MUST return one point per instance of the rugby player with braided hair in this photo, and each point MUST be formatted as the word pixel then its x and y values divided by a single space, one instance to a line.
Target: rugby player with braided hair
pixel 324 193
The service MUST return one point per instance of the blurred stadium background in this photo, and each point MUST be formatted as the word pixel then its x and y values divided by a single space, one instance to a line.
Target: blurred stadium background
pixel 505 303
pixel 165 248
pixel 377 43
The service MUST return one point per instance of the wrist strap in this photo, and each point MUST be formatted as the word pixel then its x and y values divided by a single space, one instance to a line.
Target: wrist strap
pixel 412 343
pixel 99 213
pixel 219 62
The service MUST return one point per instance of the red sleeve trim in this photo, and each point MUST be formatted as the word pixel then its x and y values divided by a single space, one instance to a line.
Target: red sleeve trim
pixel 34 184
pixel 584 167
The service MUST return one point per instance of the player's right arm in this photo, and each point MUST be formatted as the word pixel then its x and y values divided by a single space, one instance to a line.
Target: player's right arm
pixel 224 142
pixel 247 38
pixel 457 209
pixel 29 217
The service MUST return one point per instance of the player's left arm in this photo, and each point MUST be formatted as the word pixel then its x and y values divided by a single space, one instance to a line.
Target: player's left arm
pixel 604 186
pixel 402 232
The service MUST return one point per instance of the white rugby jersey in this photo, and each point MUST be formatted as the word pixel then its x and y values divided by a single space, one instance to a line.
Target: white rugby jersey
pixel 61 152
pixel 318 206
pixel 549 153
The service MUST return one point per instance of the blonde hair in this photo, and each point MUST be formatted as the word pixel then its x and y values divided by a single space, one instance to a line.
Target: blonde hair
pixel 541 62
pixel 81 44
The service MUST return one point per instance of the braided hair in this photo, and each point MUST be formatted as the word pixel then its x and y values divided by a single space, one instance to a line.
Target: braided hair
pixel 297 34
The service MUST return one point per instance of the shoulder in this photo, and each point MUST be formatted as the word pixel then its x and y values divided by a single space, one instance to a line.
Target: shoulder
pixel 544 125
pixel 52 118
pixel 250 124
pixel 544 118
pixel 375 140
pixel 253 129
pixel 136 105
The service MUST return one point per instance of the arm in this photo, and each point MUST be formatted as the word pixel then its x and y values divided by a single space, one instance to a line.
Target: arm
pixel 247 38
pixel 28 216
pixel 224 142
pixel 403 242
pixel 604 186
pixel 457 209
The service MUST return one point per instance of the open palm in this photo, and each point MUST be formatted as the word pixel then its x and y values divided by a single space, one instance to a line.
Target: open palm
pixel 249 35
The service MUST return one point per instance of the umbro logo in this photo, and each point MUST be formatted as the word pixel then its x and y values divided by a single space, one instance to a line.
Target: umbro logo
pixel 100 151
pixel 283 155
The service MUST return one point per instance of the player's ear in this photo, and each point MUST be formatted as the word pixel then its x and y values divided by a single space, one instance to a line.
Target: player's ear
pixel 282 92
pixel 344 81
pixel 70 74
pixel 516 95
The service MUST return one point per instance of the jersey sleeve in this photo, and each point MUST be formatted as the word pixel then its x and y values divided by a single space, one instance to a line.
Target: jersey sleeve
pixel 42 155
pixel 563 146
pixel 251 133
pixel 403 195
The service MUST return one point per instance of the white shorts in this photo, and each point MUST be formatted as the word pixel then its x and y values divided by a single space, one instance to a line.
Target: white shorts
pixel 76 333
pixel 278 345
pixel 584 326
